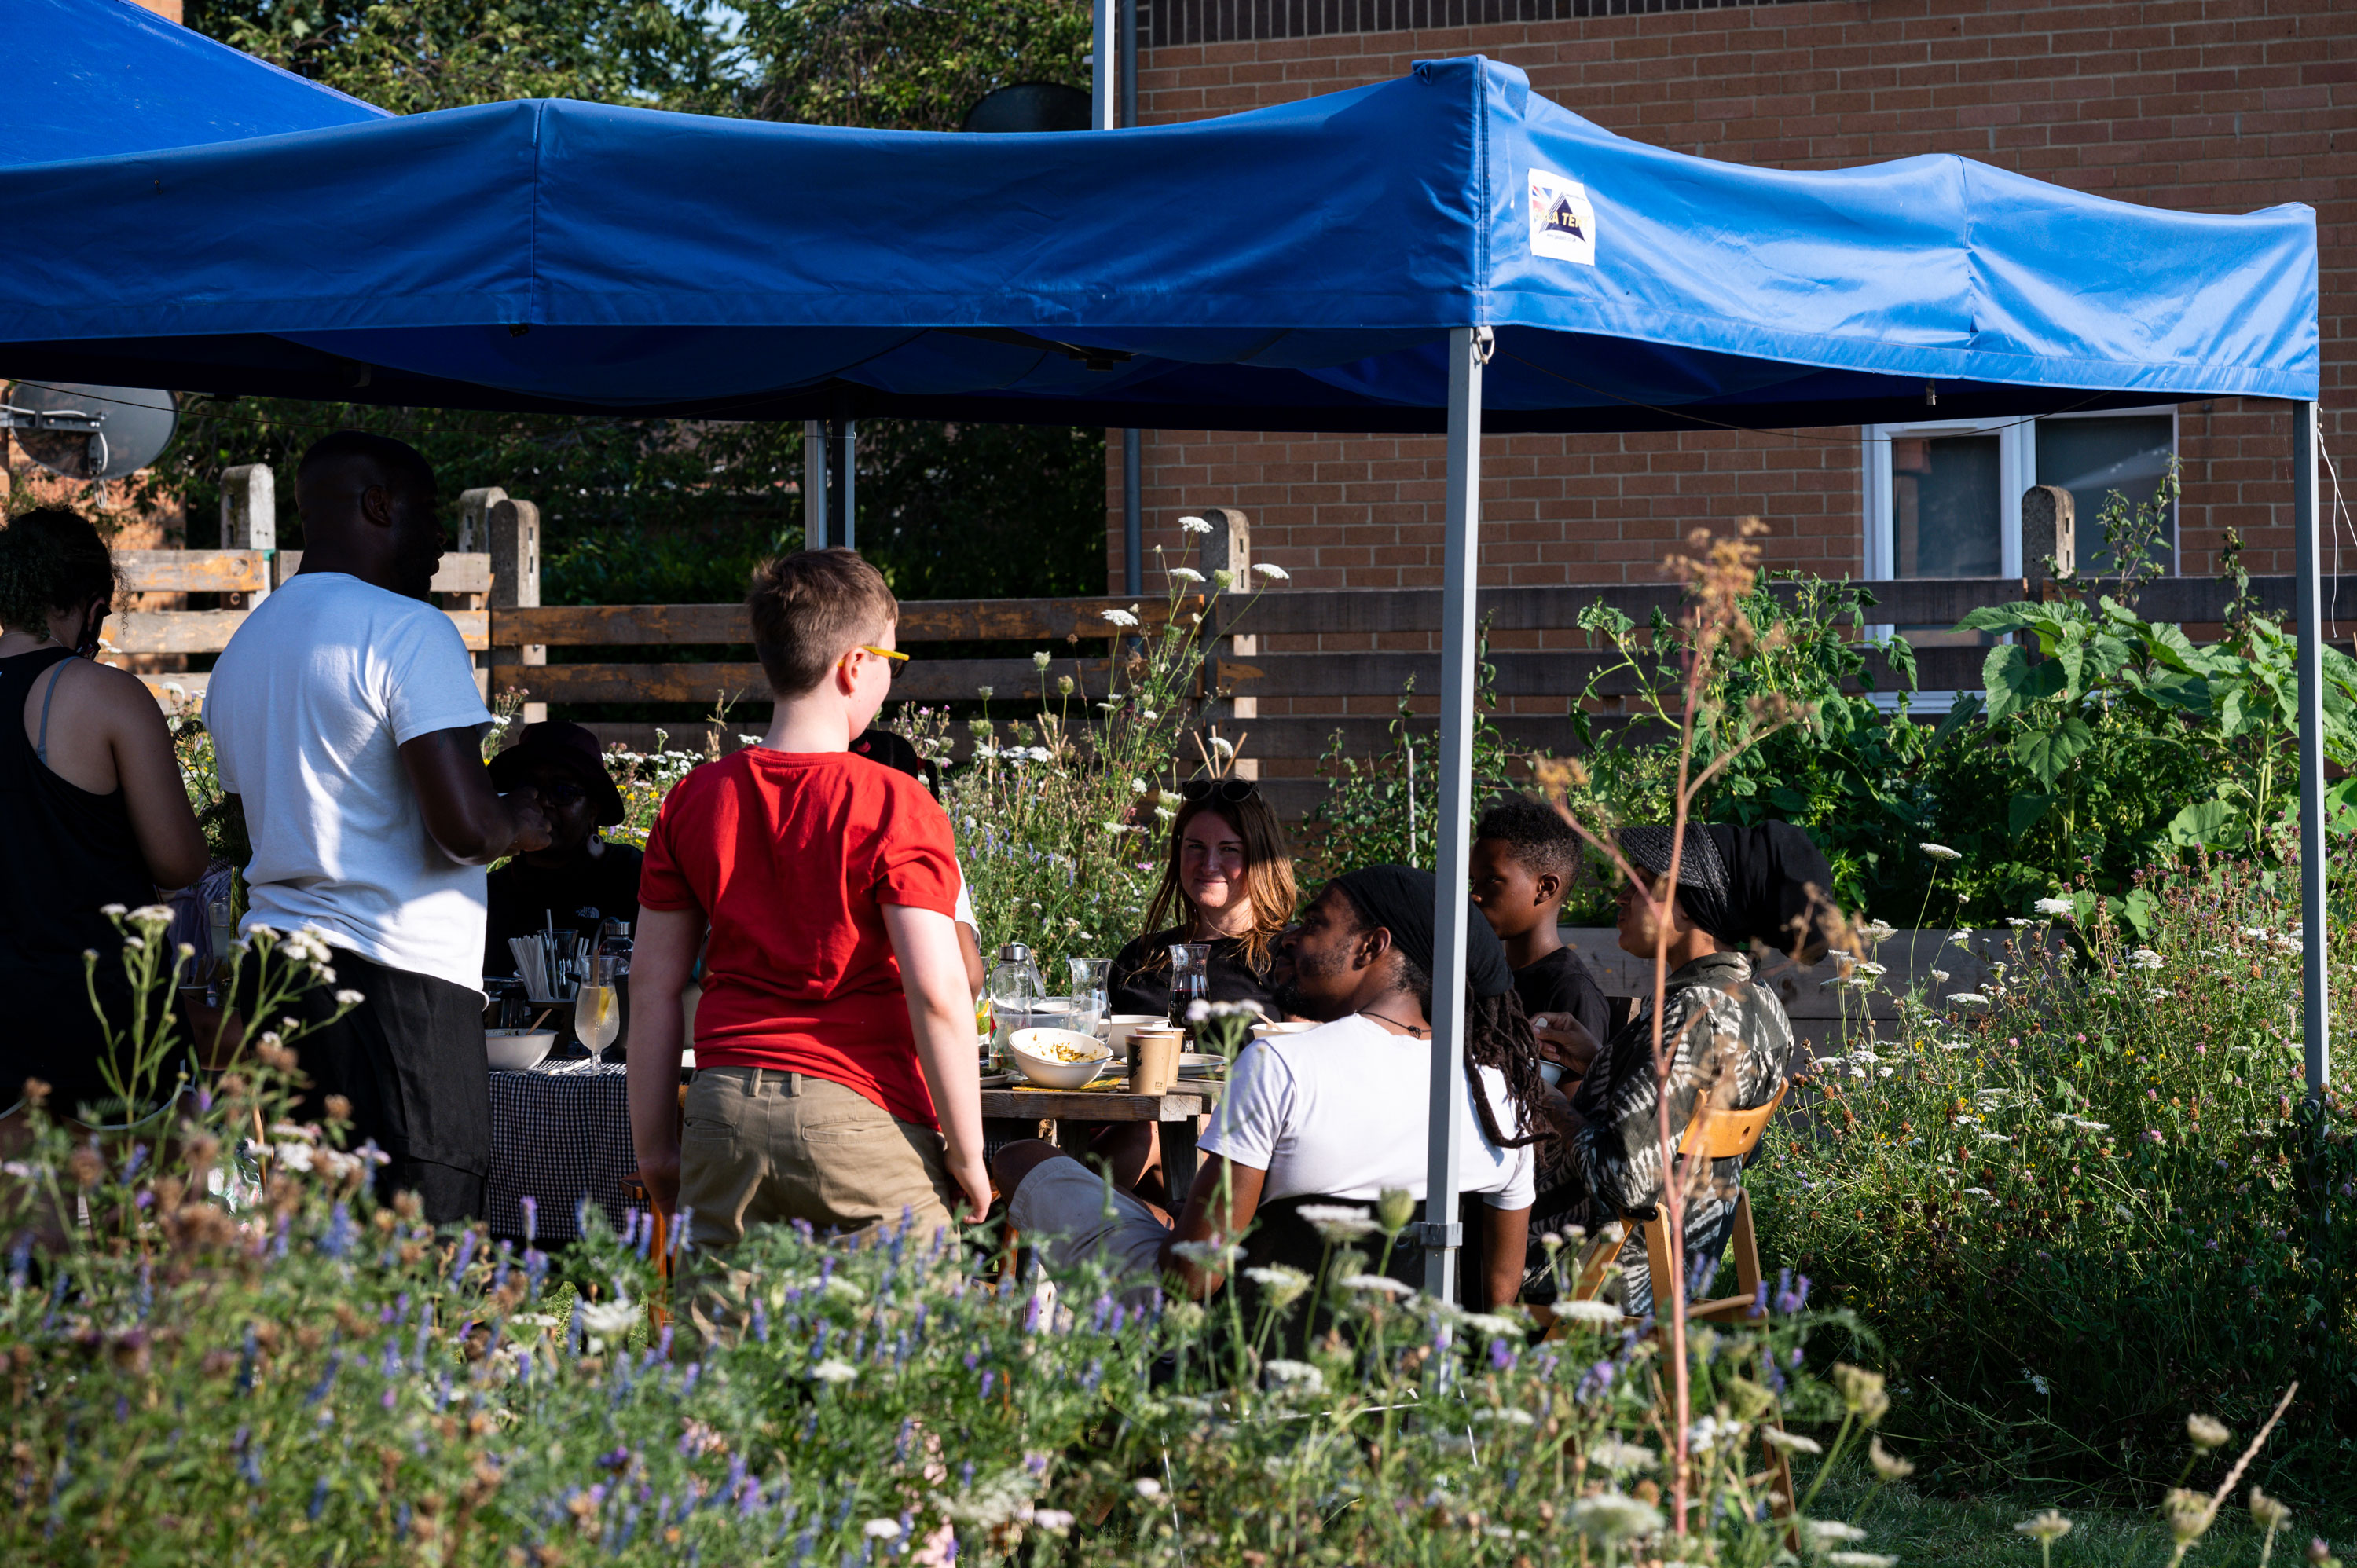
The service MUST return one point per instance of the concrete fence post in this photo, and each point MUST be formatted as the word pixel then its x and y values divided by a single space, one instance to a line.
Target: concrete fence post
pixel 1228 548
pixel 2049 528
pixel 249 517
pixel 515 584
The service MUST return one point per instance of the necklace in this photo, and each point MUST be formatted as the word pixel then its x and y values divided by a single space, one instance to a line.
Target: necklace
pixel 1423 1034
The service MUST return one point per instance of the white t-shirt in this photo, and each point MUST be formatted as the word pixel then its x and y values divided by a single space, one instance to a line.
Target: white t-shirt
pixel 308 706
pixel 1343 1110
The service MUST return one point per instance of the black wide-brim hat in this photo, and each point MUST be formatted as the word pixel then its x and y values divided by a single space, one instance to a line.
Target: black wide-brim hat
pixel 567 746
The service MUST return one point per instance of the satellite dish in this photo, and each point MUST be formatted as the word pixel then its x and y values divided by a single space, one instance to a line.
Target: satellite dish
pixel 1030 106
pixel 86 432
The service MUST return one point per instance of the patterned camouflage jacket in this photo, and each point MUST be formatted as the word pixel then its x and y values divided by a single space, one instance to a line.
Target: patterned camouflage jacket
pixel 1732 1041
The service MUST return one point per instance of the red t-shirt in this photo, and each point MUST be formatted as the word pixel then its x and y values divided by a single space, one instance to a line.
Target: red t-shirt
pixel 790 856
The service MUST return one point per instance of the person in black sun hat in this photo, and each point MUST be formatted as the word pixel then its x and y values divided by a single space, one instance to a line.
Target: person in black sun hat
pixel 578 880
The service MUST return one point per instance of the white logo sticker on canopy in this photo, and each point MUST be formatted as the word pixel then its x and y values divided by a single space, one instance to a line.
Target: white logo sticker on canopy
pixel 1563 224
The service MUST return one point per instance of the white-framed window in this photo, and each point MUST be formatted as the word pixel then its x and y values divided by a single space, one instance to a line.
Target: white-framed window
pixel 1942 497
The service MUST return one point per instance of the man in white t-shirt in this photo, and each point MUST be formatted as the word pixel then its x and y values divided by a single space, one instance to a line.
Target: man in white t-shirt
pixel 1340 1112
pixel 347 727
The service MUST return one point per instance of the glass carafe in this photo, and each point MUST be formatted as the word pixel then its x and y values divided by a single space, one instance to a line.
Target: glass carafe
pixel 1090 976
pixel 1014 991
pixel 1190 977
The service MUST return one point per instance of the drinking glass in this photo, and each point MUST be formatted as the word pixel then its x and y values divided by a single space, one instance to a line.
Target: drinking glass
pixel 596 1015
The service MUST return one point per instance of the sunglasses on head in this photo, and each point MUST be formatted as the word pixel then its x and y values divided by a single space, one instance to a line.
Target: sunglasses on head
pixel 1227 792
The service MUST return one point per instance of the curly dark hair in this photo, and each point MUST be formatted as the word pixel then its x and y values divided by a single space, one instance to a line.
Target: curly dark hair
pixel 1498 1034
pixel 1537 833
pixel 51 560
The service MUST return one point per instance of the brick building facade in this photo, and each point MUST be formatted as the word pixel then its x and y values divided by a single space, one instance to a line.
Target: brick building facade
pixel 2201 105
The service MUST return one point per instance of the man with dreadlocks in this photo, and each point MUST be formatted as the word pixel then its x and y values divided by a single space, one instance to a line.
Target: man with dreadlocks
pixel 1337 1115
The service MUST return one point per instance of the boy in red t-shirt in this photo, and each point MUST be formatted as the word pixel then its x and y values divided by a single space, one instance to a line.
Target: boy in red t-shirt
pixel 834 1041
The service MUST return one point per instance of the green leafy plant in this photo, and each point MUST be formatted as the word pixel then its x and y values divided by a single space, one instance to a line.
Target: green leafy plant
pixel 1385 809
pixel 2090 1194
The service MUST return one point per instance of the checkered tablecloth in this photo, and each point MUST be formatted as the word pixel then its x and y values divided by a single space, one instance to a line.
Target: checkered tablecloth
pixel 558 1138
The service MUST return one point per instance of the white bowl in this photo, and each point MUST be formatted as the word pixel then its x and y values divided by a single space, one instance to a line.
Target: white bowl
pixel 1121 1025
pixel 1291 1026
pixel 1046 1070
pixel 1201 1064
pixel 513 1050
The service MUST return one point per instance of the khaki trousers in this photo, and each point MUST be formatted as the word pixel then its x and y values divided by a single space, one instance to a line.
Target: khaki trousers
pixel 761 1146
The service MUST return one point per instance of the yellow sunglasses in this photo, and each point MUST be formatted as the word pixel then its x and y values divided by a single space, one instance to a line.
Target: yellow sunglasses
pixel 895 655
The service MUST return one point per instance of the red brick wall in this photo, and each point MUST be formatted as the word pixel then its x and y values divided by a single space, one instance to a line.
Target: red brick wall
pixel 2202 105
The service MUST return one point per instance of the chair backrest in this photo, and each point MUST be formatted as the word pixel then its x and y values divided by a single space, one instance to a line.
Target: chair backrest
pixel 1718 1133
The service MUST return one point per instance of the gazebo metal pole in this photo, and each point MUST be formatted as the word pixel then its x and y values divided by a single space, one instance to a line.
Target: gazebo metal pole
pixel 2316 1014
pixel 847 481
pixel 814 484
pixel 1468 349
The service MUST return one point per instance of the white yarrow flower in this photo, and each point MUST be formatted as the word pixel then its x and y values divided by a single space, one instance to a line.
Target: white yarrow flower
pixel 1118 618
pixel 831 1370
pixel 881 1529
pixel 1940 852
pixel 1185 574
pixel 2144 958
pixel 1195 524
pixel 1273 572
pixel 1602 1314
pixel 1791 1442
pixel 1828 1531
pixel 1295 1377
pixel 1614 1516
pixel 1336 1223
pixel 1620 1457
pixel 1378 1285
pixel 2055 907
pixel 349 998
pixel 608 1319
pixel 1971 998
pixel 1041 661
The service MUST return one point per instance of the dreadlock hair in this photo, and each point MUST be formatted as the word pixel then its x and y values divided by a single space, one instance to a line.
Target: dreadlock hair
pixel 51 560
pixel 1497 1034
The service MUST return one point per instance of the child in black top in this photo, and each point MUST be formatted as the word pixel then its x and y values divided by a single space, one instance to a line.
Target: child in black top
pixel 1524 855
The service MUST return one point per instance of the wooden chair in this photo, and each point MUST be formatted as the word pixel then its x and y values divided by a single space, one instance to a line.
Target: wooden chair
pixel 1719 1134
pixel 1716 1133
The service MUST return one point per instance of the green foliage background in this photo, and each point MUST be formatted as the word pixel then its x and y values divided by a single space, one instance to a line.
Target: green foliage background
pixel 656 510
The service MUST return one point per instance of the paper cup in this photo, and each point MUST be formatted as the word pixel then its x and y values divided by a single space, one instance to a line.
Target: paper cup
pixel 1154 1060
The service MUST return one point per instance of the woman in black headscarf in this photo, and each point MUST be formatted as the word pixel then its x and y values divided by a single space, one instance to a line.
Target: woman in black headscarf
pixel 1737 889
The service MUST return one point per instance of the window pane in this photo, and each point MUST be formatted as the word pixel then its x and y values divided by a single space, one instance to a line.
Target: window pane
pixel 2092 457
pixel 1947 518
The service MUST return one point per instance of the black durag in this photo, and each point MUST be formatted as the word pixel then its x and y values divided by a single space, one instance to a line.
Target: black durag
pixel 1401 898
pixel 1767 884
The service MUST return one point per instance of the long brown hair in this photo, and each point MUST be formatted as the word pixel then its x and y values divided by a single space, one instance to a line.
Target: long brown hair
pixel 1268 874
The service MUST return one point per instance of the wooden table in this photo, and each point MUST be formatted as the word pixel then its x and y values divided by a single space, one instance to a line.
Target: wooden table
pixel 1176 1112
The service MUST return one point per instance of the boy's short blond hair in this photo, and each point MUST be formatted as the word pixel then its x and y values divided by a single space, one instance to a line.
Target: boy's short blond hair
pixel 810 608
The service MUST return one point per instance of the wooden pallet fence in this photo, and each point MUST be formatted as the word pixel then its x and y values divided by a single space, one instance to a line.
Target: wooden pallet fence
pixel 251 572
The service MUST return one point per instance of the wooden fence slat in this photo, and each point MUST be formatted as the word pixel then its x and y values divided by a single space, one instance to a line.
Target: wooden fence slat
pixel 194 571
pixel 1521 673
pixel 922 680
pixel 1916 602
pixel 209 631
pixel 459 573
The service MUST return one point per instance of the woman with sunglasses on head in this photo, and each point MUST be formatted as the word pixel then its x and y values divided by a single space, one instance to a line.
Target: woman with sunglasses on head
pixel 92 811
pixel 579 880
pixel 1227 880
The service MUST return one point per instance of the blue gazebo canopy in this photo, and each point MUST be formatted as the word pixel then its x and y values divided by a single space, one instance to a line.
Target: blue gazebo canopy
pixel 183 216
pixel 1447 251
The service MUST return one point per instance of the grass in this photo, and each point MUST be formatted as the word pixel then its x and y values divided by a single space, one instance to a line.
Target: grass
pixel 1978 1531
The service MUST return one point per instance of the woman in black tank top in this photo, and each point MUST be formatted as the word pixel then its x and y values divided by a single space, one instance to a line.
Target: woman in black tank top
pixel 67 851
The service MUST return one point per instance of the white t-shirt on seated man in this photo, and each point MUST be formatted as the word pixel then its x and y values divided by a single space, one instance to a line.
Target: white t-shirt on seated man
pixel 1340 1112
pixel 1344 1110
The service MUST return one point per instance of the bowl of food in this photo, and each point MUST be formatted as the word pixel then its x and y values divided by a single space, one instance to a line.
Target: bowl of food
pixel 1201 1064
pixel 514 1050
pixel 1120 1026
pixel 1058 1058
